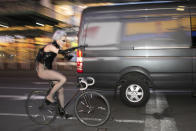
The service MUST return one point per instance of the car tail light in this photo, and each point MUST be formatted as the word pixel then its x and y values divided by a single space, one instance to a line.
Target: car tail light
pixel 79 61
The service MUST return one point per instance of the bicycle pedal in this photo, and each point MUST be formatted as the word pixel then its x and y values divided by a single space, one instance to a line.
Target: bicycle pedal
pixel 62 114
pixel 68 116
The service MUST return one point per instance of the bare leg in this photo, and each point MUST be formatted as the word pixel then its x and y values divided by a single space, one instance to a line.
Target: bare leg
pixel 60 80
pixel 60 94
pixel 56 88
pixel 61 97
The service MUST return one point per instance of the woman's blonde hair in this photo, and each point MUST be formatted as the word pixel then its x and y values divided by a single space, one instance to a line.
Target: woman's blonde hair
pixel 58 34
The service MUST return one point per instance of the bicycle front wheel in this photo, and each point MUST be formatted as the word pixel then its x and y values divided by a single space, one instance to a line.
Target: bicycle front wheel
pixel 37 110
pixel 92 109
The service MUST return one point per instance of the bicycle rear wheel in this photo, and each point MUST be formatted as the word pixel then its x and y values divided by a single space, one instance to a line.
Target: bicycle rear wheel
pixel 37 110
pixel 92 109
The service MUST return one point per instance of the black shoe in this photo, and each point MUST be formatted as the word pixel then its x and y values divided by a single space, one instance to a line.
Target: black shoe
pixel 50 103
pixel 62 113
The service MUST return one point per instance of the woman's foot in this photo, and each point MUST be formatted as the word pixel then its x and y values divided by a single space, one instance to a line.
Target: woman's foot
pixel 50 101
pixel 50 98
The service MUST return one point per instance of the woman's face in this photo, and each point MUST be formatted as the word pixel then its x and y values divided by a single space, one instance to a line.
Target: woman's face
pixel 62 41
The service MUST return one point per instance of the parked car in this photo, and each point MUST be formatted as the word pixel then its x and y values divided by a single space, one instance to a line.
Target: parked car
pixel 139 46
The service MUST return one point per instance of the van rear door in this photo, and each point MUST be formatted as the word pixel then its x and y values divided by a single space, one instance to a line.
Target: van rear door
pixel 102 35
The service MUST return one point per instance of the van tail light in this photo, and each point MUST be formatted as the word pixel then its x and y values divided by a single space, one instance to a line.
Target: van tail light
pixel 79 61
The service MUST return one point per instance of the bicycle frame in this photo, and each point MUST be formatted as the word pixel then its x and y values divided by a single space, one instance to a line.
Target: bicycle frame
pixel 72 98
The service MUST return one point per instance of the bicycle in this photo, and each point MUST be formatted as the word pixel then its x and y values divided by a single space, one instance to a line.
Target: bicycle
pixel 91 108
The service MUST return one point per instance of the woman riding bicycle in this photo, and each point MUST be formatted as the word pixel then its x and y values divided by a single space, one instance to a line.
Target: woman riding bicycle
pixel 44 69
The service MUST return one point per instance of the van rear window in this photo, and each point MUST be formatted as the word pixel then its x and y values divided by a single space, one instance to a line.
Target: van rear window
pixel 101 33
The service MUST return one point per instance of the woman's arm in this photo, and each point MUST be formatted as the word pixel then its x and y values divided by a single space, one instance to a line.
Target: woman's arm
pixel 63 52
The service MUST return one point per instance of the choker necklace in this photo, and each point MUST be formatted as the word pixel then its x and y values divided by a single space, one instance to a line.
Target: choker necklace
pixel 55 44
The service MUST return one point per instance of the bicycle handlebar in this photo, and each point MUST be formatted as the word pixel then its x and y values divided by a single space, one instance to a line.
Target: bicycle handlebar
pixel 86 82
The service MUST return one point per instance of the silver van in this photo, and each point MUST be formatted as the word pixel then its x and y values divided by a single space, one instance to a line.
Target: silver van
pixel 139 46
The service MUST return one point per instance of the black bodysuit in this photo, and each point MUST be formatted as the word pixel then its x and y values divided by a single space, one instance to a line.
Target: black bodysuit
pixel 46 58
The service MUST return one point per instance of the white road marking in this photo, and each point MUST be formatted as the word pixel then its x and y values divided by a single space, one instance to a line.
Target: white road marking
pixel 168 124
pixel 170 91
pixel 40 83
pixel 74 118
pixel 20 97
pixel 157 104
pixel 47 83
pixel 14 97
pixel 23 88
pixel 13 114
pixel 129 121
pixel 25 115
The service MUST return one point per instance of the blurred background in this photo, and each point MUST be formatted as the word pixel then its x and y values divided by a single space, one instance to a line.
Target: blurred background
pixel 27 25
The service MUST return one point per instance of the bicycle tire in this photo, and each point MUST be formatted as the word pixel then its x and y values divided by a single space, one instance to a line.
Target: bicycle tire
pixel 35 101
pixel 94 103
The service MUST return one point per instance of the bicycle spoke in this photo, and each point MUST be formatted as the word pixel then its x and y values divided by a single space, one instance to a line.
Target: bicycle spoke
pixel 50 111
pixel 91 96
pixel 44 118
pixel 87 103
pixel 101 108
pixel 80 111
pixel 84 104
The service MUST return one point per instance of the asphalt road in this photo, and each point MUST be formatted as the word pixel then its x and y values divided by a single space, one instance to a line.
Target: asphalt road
pixel 163 112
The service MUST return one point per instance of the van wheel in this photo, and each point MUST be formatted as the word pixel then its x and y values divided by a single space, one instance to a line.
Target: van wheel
pixel 135 90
